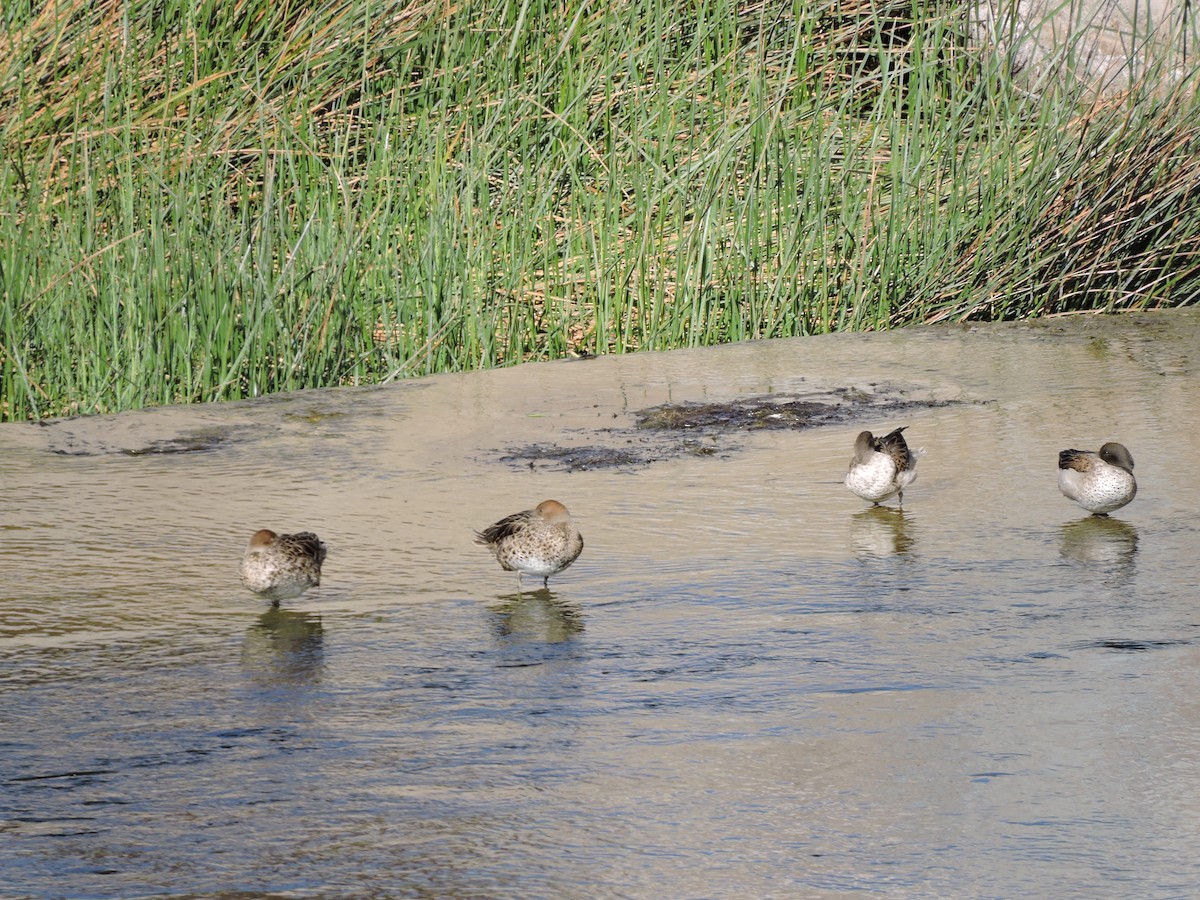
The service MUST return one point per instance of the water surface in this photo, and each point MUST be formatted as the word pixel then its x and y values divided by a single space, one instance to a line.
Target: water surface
pixel 750 684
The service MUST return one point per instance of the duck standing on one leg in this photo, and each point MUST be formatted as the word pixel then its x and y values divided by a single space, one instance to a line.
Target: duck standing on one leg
pixel 282 566
pixel 1099 482
pixel 541 541
pixel 882 466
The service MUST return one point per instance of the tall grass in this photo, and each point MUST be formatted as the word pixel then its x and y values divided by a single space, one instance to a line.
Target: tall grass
pixel 220 200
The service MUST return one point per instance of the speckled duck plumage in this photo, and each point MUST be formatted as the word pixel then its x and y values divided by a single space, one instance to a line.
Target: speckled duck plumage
pixel 282 566
pixel 1099 482
pixel 882 466
pixel 541 541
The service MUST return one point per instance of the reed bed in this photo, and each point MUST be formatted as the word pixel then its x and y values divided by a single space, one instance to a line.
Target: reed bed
pixel 215 200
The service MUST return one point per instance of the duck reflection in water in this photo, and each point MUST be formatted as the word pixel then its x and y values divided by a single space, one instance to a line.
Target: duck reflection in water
pixel 536 616
pixel 1101 542
pixel 880 531
pixel 285 647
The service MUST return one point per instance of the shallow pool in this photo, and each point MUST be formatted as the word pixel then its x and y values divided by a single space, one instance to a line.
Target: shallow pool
pixel 750 684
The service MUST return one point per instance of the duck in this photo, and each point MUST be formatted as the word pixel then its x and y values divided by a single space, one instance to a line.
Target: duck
pixel 541 541
pixel 282 566
pixel 882 466
pixel 1100 482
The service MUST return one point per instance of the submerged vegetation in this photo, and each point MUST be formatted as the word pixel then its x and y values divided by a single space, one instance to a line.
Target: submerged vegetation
pixel 212 200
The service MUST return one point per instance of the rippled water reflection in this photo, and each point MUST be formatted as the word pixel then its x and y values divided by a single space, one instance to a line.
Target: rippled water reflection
pixel 750 684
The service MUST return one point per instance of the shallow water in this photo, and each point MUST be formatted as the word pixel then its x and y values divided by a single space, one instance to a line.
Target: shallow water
pixel 750 684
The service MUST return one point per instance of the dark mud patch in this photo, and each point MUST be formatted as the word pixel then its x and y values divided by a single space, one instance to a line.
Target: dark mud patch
pixel 580 459
pixel 673 430
pixel 776 412
pixel 86 442
pixel 576 459
pixel 197 443
pixel 1129 646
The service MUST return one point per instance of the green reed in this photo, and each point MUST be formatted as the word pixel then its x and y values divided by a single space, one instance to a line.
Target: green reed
pixel 210 201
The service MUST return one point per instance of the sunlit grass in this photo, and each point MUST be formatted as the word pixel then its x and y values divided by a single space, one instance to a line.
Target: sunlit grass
pixel 213 201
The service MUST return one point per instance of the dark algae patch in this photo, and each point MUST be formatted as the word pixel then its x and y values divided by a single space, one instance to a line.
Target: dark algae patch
pixel 736 416
pixel 673 430
pixel 199 442
pixel 577 458
pixel 777 412
pixel 631 454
